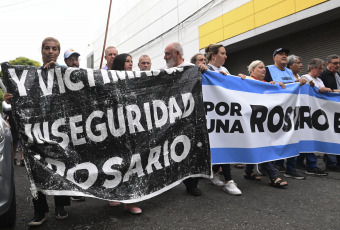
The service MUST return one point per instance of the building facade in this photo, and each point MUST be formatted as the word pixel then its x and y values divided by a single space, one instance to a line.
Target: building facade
pixel 249 29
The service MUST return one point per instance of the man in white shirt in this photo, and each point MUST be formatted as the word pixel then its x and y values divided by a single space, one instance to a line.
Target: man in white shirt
pixel 110 53
pixel 294 63
pixel 144 63
pixel 173 56
pixel 315 68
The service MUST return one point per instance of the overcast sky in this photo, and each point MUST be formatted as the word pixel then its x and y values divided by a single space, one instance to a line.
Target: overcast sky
pixel 25 23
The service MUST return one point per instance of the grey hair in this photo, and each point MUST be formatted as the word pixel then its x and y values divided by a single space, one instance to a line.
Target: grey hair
pixel 144 56
pixel 178 47
pixel 315 63
pixel 330 57
pixel 109 47
pixel 194 58
pixel 253 65
pixel 291 59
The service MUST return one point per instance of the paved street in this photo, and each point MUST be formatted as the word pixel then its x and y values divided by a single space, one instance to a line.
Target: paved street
pixel 313 203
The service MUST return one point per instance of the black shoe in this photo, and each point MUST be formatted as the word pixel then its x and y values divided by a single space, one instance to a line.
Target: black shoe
pixel 294 174
pixel 316 171
pixel 301 166
pixel 15 162
pixel 280 168
pixel 334 168
pixel 22 163
pixel 38 219
pixel 194 191
pixel 77 198
pixel 60 213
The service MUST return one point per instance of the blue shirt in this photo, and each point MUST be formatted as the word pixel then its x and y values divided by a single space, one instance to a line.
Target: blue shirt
pixel 275 74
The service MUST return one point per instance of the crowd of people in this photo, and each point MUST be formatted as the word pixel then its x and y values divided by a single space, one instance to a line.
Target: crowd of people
pixel 285 70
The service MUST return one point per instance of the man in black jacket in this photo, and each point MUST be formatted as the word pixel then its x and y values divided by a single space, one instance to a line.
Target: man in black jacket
pixel 331 79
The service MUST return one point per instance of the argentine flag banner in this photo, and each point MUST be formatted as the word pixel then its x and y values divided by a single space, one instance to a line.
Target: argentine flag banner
pixel 251 121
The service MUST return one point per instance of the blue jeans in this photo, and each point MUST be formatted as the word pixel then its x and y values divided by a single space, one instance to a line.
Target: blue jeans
pixel 268 167
pixel 290 164
pixel 331 160
pixel 310 160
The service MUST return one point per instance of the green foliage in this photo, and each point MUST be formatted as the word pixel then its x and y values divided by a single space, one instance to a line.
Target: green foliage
pixel 1 98
pixel 17 61
pixel 24 61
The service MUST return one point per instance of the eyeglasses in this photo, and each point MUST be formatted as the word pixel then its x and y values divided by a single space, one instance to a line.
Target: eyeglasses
pixel 73 59
pixel 335 63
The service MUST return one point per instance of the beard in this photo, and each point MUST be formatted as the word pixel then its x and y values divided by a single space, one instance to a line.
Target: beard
pixel 170 63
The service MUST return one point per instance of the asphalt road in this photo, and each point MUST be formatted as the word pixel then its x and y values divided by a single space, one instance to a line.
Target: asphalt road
pixel 313 203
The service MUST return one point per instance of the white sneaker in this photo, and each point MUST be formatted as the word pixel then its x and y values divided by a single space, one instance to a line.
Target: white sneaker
pixel 231 188
pixel 216 180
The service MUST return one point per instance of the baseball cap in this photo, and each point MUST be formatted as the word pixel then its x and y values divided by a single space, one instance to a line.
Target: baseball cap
pixel 278 50
pixel 69 52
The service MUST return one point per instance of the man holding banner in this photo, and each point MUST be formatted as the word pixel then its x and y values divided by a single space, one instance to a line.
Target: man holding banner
pixel 331 79
pixel 280 73
pixel 173 56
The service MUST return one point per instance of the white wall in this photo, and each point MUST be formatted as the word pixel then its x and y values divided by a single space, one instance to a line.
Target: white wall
pixel 138 22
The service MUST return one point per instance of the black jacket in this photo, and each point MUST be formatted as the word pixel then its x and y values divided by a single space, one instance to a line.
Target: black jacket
pixel 328 79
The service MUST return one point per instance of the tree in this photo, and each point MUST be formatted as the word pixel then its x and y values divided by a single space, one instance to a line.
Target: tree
pixel 17 61
pixel 24 61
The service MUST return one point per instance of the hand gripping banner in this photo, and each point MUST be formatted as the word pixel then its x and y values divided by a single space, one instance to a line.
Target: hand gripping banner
pixel 252 122
pixel 115 135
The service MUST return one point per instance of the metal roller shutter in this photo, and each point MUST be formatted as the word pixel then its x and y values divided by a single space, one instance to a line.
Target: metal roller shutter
pixel 316 42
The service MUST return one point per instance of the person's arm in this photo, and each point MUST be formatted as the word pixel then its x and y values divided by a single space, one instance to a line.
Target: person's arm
pixel 8 97
pixel 302 81
pixel 283 86
pixel 268 76
pixel 307 81
pixel 324 89
pixel 242 76
pixel 202 67
pixel 50 65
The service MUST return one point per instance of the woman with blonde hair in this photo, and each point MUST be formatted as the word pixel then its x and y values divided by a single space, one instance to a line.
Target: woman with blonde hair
pixel 257 71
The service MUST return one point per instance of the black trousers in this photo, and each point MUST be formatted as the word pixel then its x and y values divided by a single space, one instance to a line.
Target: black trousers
pixel 225 170
pixel 41 206
pixel 191 182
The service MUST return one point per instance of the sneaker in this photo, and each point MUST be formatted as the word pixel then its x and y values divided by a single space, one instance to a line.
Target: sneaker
pixel 294 174
pixel 22 163
pixel 77 198
pixel 133 209
pixel 114 203
pixel 260 170
pixel 301 166
pixel 38 219
pixel 334 168
pixel 280 168
pixel 60 213
pixel 316 171
pixel 216 180
pixel 231 188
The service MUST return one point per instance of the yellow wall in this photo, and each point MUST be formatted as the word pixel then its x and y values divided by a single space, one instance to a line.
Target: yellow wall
pixel 249 16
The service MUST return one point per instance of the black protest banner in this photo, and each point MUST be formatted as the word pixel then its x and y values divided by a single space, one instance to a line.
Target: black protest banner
pixel 116 135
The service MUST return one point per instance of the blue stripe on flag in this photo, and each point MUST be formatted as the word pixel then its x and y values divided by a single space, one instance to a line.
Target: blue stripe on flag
pixel 235 83
pixel 270 153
